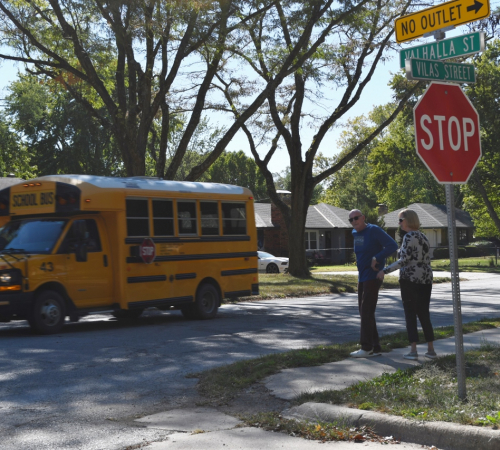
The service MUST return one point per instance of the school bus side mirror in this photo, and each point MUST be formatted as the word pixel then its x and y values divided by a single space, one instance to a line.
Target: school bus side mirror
pixel 80 233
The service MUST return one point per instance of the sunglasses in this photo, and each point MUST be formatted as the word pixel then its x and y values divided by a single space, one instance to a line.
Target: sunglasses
pixel 400 220
pixel 354 218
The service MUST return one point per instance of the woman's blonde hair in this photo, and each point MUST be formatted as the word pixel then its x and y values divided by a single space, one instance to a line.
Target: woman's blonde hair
pixel 411 218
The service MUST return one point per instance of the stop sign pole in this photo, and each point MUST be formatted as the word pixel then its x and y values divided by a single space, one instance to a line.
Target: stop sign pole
pixel 447 138
pixel 455 289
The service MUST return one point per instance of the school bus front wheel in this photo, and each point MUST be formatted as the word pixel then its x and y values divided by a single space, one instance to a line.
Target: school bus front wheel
pixel 48 314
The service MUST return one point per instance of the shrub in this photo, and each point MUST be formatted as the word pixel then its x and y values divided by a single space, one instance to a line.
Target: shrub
pixel 474 251
pixel 444 253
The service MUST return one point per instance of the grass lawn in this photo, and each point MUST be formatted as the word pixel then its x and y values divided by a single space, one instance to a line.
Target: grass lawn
pixel 429 392
pixel 479 264
pixel 282 285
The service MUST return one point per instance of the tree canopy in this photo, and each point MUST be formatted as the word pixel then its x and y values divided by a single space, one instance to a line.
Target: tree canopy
pixel 128 63
pixel 482 193
pixel 57 132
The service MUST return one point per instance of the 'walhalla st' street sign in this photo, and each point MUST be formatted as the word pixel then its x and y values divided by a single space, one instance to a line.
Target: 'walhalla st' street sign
pixel 466 44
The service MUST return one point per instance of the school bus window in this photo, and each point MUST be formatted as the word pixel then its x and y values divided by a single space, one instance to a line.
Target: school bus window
pixel 209 218
pixel 93 240
pixel 137 217
pixel 234 218
pixel 163 218
pixel 186 214
pixel 32 235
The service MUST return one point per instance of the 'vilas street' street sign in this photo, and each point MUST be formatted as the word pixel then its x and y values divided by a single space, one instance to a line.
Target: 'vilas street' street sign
pixel 424 69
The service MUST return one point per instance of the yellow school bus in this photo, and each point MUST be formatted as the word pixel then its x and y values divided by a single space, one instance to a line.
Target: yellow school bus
pixel 71 245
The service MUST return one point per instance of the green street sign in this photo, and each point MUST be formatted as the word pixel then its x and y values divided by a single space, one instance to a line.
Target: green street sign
pixel 424 69
pixel 466 44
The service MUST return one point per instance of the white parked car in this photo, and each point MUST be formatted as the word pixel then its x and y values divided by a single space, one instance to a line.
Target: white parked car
pixel 272 264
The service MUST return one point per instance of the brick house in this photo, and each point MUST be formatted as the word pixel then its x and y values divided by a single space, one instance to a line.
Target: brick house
pixel 327 234
pixel 434 223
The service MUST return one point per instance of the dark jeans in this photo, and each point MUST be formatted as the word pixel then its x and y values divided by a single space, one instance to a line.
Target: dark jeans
pixel 367 303
pixel 416 299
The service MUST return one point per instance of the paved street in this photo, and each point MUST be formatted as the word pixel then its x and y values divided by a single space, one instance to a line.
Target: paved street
pixel 83 387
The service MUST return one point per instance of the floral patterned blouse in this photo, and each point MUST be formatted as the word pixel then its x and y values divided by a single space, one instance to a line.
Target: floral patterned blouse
pixel 414 259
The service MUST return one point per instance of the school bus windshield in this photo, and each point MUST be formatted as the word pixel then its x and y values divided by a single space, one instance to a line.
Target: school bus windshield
pixel 31 235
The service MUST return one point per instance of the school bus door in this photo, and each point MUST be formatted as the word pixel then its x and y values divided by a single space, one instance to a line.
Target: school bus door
pixel 89 283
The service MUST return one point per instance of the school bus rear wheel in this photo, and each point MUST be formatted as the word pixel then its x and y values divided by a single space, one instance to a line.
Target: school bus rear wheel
pixel 206 304
pixel 48 313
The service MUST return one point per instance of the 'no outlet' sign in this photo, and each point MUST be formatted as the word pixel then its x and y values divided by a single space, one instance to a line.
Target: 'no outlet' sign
pixel 447 133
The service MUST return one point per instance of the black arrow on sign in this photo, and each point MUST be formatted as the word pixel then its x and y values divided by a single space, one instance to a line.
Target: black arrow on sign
pixel 476 6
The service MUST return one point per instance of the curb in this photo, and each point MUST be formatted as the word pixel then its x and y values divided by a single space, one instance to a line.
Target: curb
pixel 444 435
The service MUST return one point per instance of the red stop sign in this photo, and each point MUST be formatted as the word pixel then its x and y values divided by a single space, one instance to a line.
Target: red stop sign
pixel 447 133
pixel 147 250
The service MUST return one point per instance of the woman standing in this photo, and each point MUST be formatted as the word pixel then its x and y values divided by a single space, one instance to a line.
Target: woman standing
pixel 415 279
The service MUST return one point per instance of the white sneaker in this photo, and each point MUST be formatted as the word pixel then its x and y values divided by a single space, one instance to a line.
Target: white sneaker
pixel 362 354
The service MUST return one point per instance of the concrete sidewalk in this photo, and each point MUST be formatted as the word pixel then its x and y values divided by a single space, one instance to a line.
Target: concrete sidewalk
pixel 288 383
pixel 207 429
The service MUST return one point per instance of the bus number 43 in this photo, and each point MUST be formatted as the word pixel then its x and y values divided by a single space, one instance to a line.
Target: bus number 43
pixel 47 267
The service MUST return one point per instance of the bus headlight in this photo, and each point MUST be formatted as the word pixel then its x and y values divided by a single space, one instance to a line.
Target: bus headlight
pixel 5 278
pixel 10 280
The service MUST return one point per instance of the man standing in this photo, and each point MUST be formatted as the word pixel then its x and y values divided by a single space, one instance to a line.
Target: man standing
pixel 371 245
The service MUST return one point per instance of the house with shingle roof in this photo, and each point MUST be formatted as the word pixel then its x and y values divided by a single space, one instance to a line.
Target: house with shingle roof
pixel 327 233
pixel 434 223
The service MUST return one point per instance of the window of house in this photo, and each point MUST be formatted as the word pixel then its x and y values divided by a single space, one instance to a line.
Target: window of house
pixel 209 218
pixel 163 218
pixel 234 220
pixel 311 240
pixel 462 236
pixel 186 216
pixel 137 217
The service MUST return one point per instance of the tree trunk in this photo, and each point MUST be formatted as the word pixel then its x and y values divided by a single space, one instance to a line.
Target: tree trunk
pixel 302 188
pixel 296 252
pixel 484 195
pixel 165 130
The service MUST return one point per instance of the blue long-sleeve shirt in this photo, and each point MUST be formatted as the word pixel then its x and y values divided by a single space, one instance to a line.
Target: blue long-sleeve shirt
pixel 372 241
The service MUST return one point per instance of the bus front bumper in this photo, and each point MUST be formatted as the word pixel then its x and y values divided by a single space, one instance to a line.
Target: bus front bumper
pixel 17 304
